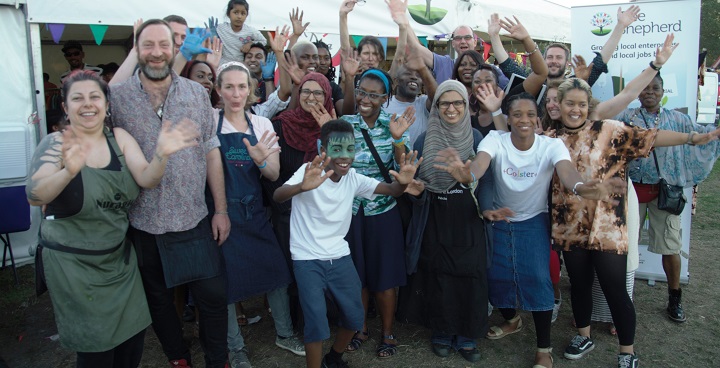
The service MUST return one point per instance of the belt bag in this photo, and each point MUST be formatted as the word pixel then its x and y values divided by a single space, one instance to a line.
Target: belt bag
pixel 670 197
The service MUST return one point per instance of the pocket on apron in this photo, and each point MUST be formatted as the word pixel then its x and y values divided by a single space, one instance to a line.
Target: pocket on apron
pixel 189 255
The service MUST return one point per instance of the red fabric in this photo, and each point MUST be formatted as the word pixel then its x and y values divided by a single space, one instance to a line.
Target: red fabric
pixel 646 192
pixel 554 266
pixel 299 127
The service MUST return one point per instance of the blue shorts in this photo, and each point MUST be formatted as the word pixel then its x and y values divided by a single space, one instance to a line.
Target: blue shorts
pixel 338 278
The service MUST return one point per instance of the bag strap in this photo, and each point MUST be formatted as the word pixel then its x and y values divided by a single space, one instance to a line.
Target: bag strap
pixel 383 170
pixel 647 126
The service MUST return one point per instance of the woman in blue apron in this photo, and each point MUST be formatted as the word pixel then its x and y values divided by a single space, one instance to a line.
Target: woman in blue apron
pixel 254 261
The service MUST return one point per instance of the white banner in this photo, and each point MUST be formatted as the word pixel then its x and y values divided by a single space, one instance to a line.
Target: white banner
pixel 591 27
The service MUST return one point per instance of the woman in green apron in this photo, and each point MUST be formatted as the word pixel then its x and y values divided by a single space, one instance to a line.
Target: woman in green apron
pixel 86 178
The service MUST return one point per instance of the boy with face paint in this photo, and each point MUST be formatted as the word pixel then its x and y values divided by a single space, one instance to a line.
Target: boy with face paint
pixel 320 218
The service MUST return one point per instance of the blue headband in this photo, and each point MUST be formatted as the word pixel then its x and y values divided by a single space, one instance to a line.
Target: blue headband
pixel 380 75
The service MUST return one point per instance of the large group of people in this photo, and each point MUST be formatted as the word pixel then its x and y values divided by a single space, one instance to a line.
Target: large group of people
pixel 192 177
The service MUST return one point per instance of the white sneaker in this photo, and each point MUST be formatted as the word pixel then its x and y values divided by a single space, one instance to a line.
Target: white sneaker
pixel 291 344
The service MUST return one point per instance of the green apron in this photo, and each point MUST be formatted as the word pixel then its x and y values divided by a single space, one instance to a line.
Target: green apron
pixel 91 272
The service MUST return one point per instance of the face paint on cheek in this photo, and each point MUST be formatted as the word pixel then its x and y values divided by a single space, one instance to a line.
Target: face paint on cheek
pixel 341 147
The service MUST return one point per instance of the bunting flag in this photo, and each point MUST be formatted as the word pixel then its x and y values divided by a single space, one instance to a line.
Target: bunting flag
pixel 486 50
pixel 383 41
pixel 336 59
pixel 98 31
pixel 356 39
pixel 56 30
pixel 423 40
pixel 272 34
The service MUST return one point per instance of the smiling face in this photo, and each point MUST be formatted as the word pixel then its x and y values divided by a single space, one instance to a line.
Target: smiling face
pixel 574 108
pixel 155 56
pixel 409 83
pixel 74 58
pixel 254 60
pixel 556 60
pixel 86 106
pixel 522 115
pixel 307 57
pixel 324 61
pixel 463 39
pixel 340 148
pixel 552 106
pixel 237 16
pixel 451 107
pixel 202 74
pixel 370 96
pixel 466 69
pixel 311 94
pixel 234 90
pixel 652 95
pixel 369 56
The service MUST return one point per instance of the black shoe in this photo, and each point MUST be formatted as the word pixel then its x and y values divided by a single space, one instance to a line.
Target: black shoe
pixel 337 364
pixel 471 355
pixel 579 346
pixel 674 309
pixel 443 351
pixel 626 360
pixel 188 314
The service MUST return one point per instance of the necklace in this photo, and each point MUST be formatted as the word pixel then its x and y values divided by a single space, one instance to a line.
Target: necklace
pixel 647 126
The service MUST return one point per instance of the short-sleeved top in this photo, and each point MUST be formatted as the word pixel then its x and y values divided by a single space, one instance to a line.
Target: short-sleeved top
pixel 365 162
pixel 522 178
pixel 421 114
pixel 601 150
pixel 178 202
pixel 260 125
pixel 320 218
pixel 233 41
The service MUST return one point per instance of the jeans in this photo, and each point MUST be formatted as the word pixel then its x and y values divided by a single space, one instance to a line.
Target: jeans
pixel 209 297
pixel 279 303
pixel 457 342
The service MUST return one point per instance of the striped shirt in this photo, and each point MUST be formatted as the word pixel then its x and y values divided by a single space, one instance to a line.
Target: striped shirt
pixel 233 42
pixel 365 163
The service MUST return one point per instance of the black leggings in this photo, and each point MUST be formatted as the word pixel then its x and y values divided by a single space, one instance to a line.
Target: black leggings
pixel 125 355
pixel 611 269
pixel 543 321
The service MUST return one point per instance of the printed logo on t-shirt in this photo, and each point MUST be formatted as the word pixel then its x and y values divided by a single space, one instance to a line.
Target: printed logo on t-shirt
pixel 237 156
pixel 520 174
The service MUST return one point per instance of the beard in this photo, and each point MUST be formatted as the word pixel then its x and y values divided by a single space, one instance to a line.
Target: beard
pixel 155 74
pixel 560 73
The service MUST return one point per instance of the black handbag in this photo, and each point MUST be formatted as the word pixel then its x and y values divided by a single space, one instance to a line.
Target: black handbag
pixel 670 197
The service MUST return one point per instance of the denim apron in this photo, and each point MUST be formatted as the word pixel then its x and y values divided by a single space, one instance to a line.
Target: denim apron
pixel 90 268
pixel 254 261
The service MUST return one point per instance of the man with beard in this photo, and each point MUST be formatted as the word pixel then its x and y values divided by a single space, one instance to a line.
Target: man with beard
pixel 176 241
pixel 255 61
pixel 74 55
pixel 557 55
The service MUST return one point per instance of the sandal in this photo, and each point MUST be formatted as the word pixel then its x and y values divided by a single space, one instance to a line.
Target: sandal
pixel 356 342
pixel 543 351
pixel 496 332
pixel 385 349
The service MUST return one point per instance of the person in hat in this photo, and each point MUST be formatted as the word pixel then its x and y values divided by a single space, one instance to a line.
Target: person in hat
pixel 74 55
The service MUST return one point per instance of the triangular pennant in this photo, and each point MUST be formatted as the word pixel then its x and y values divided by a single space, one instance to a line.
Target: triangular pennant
pixel 272 34
pixel 383 41
pixel 336 59
pixel 486 50
pixel 56 30
pixel 98 31
pixel 356 39
pixel 423 40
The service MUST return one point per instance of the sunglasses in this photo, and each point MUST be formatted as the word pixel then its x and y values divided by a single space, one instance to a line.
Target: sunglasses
pixel 72 54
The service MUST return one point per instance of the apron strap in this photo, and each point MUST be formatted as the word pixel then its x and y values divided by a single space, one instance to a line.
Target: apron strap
pixel 113 143
pixel 87 252
pixel 220 122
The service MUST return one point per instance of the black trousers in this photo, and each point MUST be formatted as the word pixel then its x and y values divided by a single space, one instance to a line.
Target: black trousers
pixel 125 355
pixel 210 298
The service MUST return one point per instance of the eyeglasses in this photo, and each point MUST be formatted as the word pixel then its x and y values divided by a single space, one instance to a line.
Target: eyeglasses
pixel 466 38
pixel 317 93
pixel 371 96
pixel 458 104
pixel 72 54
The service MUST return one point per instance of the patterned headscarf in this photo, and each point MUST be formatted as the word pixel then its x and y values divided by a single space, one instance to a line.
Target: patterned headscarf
pixel 441 135
pixel 299 127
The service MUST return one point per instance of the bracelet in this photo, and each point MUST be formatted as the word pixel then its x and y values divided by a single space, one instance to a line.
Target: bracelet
pixel 690 138
pixel 221 212
pixel 575 187
pixel 399 141
pixel 497 113
pixel 473 176
pixel 263 165
pixel 655 67
pixel 537 48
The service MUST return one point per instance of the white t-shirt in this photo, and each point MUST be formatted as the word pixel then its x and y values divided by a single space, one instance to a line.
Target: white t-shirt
pixel 522 178
pixel 421 114
pixel 320 218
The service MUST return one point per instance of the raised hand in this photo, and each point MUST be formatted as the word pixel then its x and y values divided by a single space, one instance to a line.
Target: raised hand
pixel 449 161
pixel 74 153
pixel 414 60
pixel 398 8
pixel 582 70
pixel 350 64
pixel 416 187
pixel 602 190
pixel 399 124
pixel 500 214
pixel 705 138
pixel 313 176
pixel 347 6
pixel 136 26
pixel 214 57
pixel 296 19
pixel 263 148
pixel 291 67
pixel 211 25
pixel 408 166
pixel 173 138
pixel 268 67
pixel 277 42
pixel 515 29
pixel 490 96
pixel 494 26
pixel 321 115
pixel 193 43
pixel 662 55
pixel 627 17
